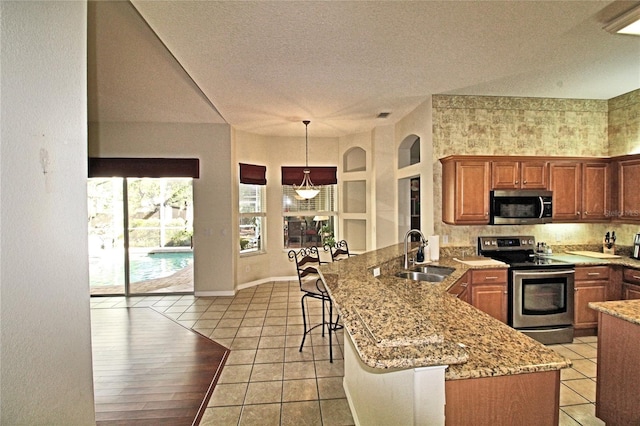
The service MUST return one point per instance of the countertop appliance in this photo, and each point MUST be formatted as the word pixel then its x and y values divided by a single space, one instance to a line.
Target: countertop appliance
pixel 540 288
pixel 520 207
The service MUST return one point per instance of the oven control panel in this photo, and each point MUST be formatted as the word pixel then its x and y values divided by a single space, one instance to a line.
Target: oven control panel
pixel 527 242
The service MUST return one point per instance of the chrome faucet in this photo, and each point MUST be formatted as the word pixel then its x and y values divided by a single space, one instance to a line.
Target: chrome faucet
pixel 406 245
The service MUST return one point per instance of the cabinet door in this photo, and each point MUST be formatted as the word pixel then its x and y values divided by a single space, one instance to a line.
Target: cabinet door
pixel 491 299
pixel 505 175
pixel 589 291
pixel 461 287
pixel 472 192
pixel 534 174
pixel 595 192
pixel 630 291
pixel 566 186
pixel 628 194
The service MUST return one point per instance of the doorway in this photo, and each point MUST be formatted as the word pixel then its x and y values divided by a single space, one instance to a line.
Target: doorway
pixel 140 236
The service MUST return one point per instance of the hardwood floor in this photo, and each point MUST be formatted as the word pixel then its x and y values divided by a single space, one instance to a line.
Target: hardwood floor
pixel 149 370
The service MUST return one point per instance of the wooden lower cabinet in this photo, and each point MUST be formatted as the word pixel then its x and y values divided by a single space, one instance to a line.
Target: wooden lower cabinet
pixel 489 292
pixel 590 286
pixel 517 399
pixel 461 288
pixel 630 284
pixel 618 384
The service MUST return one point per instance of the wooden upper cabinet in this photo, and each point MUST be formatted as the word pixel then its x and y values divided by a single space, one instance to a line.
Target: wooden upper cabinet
pixel 596 196
pixel 566 185
pixel 519 174
pixel 465 191
pixel 581 191
pixel 628 205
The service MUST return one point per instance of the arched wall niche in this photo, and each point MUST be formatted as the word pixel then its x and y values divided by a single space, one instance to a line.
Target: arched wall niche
pixel 409 151
pixel 355 160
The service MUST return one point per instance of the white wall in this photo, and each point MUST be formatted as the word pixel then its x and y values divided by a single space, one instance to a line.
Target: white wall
pixel 45 338
pixel 275 152
pixel 215 218
pixel 419 123
pixel 384 186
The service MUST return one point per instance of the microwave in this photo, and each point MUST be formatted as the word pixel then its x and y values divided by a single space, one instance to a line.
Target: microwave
pixel 520 207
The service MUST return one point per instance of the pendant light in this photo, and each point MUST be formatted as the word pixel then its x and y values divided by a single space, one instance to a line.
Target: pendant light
pixel 307 189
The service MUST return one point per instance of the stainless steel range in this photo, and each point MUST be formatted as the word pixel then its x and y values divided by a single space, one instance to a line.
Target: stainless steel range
pixel 540 288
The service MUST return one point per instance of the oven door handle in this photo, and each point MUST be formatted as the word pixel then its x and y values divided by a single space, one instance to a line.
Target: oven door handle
pixel 538 273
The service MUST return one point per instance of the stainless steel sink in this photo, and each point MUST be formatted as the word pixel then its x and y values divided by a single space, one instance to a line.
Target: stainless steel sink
pixel 437 270
pixel 421 276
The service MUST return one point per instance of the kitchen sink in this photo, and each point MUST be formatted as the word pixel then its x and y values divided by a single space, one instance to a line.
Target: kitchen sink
pixel 437 270
pixel 421 276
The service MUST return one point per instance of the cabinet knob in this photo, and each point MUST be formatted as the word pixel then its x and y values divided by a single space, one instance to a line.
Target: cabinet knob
pixel 525 182
pixel 518 182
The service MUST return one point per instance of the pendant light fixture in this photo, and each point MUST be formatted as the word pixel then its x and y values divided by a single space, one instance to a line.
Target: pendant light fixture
pixel 307 189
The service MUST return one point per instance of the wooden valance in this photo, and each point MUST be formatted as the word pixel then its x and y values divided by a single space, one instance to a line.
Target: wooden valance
pixel 144 167
pixel 320 175
pixel 253 174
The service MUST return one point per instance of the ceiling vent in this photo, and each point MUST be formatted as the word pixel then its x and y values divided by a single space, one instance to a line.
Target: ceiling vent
pixel 383 115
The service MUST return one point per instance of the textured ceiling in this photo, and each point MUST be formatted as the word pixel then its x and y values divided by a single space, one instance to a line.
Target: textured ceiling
pixel 264 66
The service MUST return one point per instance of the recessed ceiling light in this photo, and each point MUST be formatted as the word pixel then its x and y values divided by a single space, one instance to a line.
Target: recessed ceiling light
pixel 627 23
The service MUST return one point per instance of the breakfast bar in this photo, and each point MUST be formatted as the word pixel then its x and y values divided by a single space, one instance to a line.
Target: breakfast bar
pixel 415 354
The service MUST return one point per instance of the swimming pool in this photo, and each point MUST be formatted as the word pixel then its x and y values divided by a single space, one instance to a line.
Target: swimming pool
pixel 107 269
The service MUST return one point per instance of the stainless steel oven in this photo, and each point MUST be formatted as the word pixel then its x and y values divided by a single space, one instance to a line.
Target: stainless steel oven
pixel 541 289
pixel 542 303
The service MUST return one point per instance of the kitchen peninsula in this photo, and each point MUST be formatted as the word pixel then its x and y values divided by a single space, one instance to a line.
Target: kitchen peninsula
pixel 618 382
pixel 410 348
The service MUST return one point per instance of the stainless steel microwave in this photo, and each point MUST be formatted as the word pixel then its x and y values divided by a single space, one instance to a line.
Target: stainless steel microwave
pixel 520 207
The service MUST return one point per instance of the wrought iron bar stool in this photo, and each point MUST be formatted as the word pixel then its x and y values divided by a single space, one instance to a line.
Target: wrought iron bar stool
pixel 313 284
pixel 339 250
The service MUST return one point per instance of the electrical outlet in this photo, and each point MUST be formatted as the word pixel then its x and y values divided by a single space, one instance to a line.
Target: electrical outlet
pixel 445 239
pixel 376 272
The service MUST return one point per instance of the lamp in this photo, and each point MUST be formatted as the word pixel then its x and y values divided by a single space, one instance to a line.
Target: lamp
pixel 627 23
pixel 307 189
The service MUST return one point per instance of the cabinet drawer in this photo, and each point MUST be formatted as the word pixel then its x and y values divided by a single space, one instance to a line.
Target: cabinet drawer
pixel 631 275
pixel 488 276
pixel 589 273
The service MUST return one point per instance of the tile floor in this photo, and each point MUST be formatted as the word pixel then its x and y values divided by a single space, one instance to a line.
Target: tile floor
pixel 267 381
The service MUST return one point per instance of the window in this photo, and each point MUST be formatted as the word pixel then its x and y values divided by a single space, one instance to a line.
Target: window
pixel 252 218
pixel 308 222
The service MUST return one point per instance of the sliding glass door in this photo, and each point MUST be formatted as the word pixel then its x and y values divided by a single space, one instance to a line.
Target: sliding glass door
pixel 155 253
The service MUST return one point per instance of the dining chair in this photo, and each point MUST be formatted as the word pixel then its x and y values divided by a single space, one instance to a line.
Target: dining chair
pixel 313 285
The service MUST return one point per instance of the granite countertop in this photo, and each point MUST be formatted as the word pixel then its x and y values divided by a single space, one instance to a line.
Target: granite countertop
pixel 628 310
pixel 397 323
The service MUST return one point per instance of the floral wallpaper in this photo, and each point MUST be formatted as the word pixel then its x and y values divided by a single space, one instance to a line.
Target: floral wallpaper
pixel 484 125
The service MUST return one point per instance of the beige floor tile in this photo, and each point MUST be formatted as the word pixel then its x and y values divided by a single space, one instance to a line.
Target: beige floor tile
pixel 583 349
pixel 293 354
pixel 571 374
pixel 336 412
pixel 260 415
pixel 228 394
pixel 249 331
pixel 245 343
pixel 299 390
pixel 264 392
pixel 243 356
pixel 233 315
pixel 566 420
pixel 221 416
pixel 584 414
pixel 301 413
pixel 267 372
pixel 326 369
pixel 224 332
pixel 274 330
pixel 586 367
pixel 565 352
pixel 584 387
pixel 299 370
pixel 331 388
pixel 236 373
pixel 269 355
pixel 271 342
pixel 569 397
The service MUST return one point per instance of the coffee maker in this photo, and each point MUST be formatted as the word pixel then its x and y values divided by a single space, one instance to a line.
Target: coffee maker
pixel 636 247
